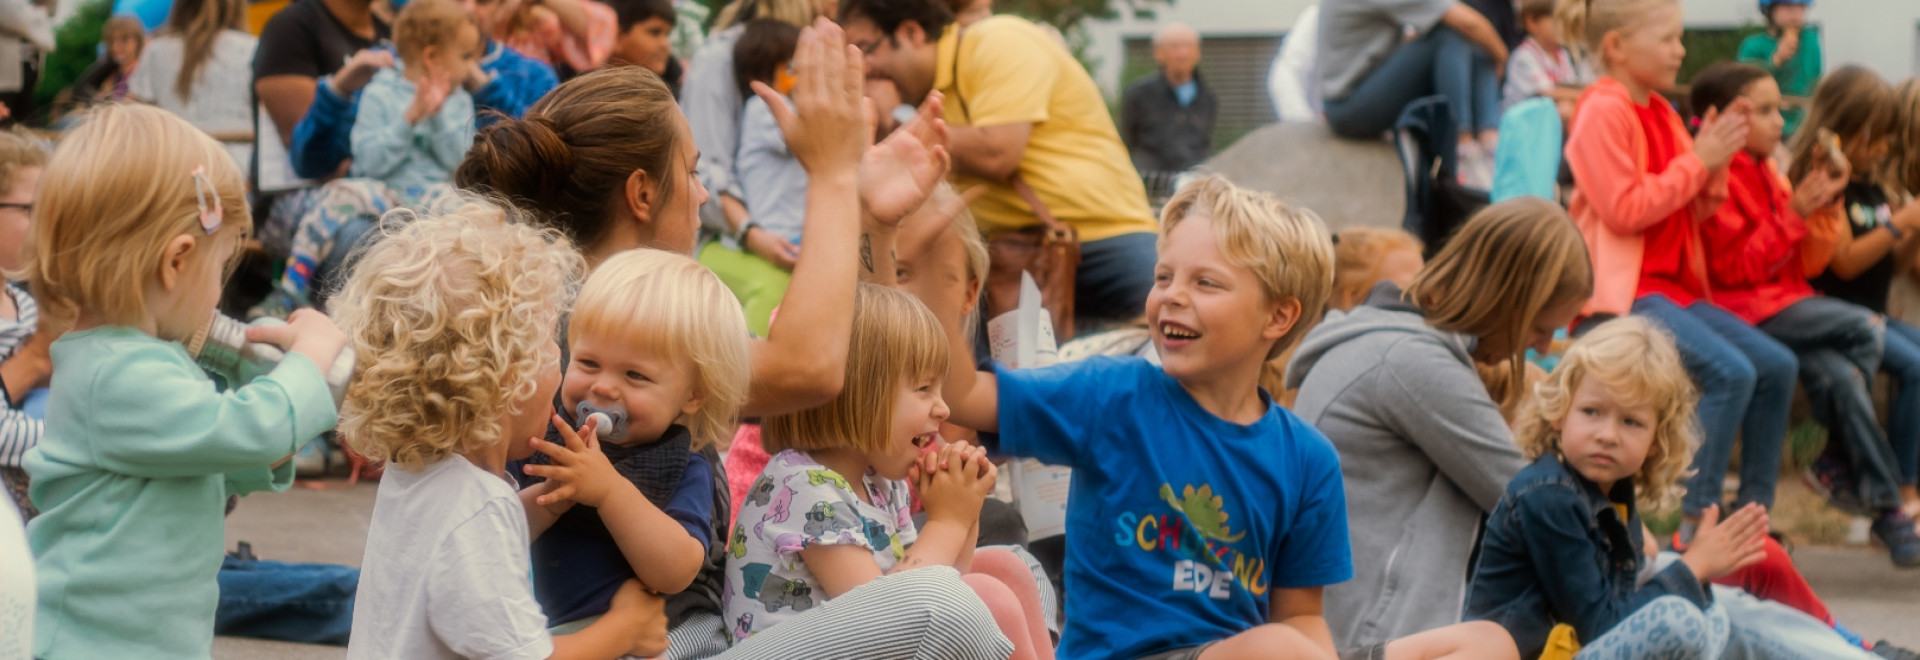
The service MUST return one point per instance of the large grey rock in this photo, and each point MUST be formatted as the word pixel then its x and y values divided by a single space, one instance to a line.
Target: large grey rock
pixel 1348 182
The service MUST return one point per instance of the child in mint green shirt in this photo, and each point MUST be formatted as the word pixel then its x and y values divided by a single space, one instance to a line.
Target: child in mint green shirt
pixel 138 215
pixel 1790 50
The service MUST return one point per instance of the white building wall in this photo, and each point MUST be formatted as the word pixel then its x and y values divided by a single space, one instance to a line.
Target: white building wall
pixel 1884 35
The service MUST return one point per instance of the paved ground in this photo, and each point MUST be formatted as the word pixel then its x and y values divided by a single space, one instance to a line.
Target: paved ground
pixel 330 526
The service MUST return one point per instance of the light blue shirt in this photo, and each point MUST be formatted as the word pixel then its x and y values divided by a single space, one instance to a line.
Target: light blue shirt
pixel 132 476
pixel 772 180
pixel 409 157
pixel 1186 91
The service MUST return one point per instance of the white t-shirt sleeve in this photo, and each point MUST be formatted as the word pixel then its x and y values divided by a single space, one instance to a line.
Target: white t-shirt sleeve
pixel 479 599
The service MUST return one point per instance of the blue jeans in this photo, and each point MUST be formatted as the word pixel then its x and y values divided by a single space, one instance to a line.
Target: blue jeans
pixel 306 603
pixel 1746 388
pixel 1902 361
pixel 1114 278
pixel 1839 348
pixel 1442 62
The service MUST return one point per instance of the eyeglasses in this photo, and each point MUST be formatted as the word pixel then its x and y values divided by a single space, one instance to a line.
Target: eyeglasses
pixel 24 208
pixel 203 190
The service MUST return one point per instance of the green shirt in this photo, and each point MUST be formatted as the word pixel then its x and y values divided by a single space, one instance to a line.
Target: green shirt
pixel 132 476
pixel 1797 76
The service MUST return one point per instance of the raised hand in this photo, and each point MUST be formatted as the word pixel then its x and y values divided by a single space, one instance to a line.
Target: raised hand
pixel 825 129
pixel 359 70
pixel 431 93
pixel 1817 189
pixel 899 174
pixel 1722 134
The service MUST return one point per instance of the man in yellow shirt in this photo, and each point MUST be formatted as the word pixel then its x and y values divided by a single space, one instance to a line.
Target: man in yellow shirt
pixel 1018 104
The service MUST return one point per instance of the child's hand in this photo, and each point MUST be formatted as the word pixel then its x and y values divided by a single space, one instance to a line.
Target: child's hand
pixel 308 333
pixel 827 127
pixel 1817 189
pixel 1908 218
pixel 430 94
pixel 899 174
pixel 1725 546
pixel 581 472
pixel 1722 134
pixel 774 248
pixel 953 485
pixel 645 615
pixel 476 78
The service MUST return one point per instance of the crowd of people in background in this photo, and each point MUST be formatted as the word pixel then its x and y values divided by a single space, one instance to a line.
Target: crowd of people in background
pixel 668 336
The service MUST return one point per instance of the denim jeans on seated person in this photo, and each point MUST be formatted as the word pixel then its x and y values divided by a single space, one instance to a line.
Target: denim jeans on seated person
pixel 1902 361
pixel 1746 387
pixel 306 603
pixel 1442 62
pixel 1114 278
pixel 1839 345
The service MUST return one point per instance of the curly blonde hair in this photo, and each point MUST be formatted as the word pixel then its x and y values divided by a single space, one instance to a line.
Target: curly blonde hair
pixel 453 318
pixel 1638 362
pixel 665 303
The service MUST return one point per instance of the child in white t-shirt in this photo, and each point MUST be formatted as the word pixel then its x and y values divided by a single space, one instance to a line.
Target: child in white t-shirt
pixel 453 318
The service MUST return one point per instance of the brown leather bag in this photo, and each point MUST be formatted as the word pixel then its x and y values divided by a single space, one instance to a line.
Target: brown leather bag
pixel 1049 251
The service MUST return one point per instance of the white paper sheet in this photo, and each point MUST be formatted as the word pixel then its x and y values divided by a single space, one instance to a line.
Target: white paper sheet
pixel 1023 339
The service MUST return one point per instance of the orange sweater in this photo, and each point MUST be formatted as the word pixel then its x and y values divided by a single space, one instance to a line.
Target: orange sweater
pixel 1615 200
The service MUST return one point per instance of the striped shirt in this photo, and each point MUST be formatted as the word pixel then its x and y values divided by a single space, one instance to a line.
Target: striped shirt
pixel 18 432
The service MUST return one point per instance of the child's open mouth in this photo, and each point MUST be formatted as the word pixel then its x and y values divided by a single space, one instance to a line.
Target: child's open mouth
pixel 1176 334
pixel 925 440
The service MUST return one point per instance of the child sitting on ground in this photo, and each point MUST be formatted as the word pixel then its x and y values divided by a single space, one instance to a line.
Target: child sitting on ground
pixel 1610 431
pixel 656 344
pixel 415 124
pixel 453 320
pixel 24 362
pixel 139 216
pixel 831 511
pixel 1193 461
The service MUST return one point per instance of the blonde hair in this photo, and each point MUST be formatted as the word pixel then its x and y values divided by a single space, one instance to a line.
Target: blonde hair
pixel 1358 255
pixel 663 303
pixel 19 151
pixel 1853 102
pixel 1584 24
pixel 424 23
pixel 115 192
pixel 1901 169
pixel 1286 247
pixel 1635 361
pixel 896 341
pixel 452 317
pixel 1510 262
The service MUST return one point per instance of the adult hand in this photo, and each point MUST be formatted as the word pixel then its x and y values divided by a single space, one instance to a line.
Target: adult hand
pixel 773 248
pixel 824 129
pixel 1722 134
pixel 359 70
pixel 1725 546
pixel 899 174
pixel 645 615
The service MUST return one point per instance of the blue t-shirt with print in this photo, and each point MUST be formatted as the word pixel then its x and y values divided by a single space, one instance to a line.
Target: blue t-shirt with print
pixel 1179 524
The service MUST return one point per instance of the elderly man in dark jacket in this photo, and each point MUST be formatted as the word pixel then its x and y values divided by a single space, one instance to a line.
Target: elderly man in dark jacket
pixel 1167 119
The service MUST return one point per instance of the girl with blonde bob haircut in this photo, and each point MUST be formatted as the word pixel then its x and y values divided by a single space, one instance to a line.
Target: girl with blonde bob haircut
pixel 663 303
pixel 139 216
pixel 905 345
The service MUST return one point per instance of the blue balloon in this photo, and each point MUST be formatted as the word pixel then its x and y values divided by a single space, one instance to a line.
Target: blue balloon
pixel 152 13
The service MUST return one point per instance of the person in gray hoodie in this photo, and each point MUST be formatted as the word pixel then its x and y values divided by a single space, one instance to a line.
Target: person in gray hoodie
pixel 1424 450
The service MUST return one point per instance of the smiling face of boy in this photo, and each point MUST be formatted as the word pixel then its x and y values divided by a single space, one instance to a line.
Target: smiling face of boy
pixel 1208 315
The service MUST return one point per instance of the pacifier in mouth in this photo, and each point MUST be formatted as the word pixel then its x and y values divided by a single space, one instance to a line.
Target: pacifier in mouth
pixel 612 427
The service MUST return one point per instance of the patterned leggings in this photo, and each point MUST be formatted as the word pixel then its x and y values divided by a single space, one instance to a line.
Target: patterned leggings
pixel 1736 627
pixel 326 209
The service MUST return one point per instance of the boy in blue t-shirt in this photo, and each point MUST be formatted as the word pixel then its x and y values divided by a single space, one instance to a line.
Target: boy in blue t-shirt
pixel 1203 520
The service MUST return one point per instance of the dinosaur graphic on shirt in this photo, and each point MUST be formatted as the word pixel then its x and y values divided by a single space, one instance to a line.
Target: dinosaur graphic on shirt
pixel 1203 510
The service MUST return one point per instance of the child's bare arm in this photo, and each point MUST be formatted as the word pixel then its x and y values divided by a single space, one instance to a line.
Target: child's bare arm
pixel 953 483
pixel 635 624
pixel 541 516
pixel 1303 610
pixel 972 396
pixel 665 561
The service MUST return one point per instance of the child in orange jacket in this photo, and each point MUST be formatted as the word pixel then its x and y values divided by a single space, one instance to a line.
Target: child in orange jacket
pixel 1642 184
